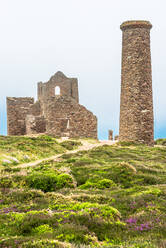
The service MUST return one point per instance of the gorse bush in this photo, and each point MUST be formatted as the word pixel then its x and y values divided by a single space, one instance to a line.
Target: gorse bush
pixel 42 229
pixel 101 184
pixel 64 181
pixel 49 181
pixel 105 184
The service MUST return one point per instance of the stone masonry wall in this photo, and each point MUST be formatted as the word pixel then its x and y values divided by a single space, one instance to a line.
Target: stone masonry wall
pixel 136 109
pixel 65 117
pixel 35 124
pixel 17 109
pixel 68 87
pixel 58 115
pixel 35 109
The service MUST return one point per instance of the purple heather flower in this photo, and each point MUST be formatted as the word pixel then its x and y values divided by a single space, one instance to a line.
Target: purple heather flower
pixel 131 221
pixel 143 227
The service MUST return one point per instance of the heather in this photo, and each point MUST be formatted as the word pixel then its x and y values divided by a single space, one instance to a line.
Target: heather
pixel 109 196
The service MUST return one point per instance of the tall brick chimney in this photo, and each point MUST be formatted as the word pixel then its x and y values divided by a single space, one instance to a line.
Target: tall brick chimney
pixel 136 107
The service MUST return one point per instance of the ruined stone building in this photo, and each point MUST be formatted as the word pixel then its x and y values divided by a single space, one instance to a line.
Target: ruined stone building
pixel 56 112
pixel 136 107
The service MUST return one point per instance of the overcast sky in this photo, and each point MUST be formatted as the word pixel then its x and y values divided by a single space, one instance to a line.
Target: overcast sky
pixel 82 39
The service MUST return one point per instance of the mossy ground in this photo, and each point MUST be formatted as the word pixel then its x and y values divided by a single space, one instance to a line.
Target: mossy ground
pixel 110 196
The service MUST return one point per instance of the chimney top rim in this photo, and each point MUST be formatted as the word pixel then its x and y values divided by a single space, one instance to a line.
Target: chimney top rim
pixel 135 24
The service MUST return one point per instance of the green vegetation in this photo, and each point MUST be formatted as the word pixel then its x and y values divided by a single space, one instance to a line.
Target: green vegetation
pixel 49 181
pixel 160 142
pixel 110 196
pixel 15 150
pixel 71 144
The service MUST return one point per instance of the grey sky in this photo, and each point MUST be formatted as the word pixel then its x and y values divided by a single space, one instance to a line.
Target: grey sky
pixel 81 38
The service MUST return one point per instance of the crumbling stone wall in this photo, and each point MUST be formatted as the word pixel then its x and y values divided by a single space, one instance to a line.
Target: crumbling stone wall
pixel 17 110
pixel 58 115
pixel 68 87
pixel 136 108
pixel 65 117
pixel 35 109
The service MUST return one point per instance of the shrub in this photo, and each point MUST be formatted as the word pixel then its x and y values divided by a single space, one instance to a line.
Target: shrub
pixel 75 234
pixel 46 138
pixel 42 229
pixel 49 181
pixel 20 195
pixel 105 183
pixel 161 142
pixel 6 182
pixel 87 185
pixel 70 144
pixel 64 181
pixel 101 184
pixel 26 223
pixel 123 173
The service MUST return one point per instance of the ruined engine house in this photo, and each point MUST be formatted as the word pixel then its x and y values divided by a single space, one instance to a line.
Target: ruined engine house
pixel 56 112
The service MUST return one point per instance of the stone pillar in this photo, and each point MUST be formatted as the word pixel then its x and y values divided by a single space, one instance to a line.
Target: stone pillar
pixel 110 135
pixel 136 107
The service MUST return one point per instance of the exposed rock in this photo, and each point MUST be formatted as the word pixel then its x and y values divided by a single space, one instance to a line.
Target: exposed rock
pixel 12 158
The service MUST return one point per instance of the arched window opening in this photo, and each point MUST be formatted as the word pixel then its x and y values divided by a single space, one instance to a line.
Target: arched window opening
pixel 57 90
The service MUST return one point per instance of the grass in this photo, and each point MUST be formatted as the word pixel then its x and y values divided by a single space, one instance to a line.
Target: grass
pixel 110 196
pixel 15 150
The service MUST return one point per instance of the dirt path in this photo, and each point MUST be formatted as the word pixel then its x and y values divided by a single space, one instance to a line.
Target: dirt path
pixel 85 147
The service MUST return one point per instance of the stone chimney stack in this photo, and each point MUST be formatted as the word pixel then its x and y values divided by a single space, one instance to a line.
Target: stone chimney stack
pixel 136 107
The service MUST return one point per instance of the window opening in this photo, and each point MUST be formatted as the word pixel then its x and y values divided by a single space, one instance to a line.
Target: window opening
pixel 57 90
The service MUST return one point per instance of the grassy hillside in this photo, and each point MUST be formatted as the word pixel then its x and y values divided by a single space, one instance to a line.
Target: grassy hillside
pixel 110 196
